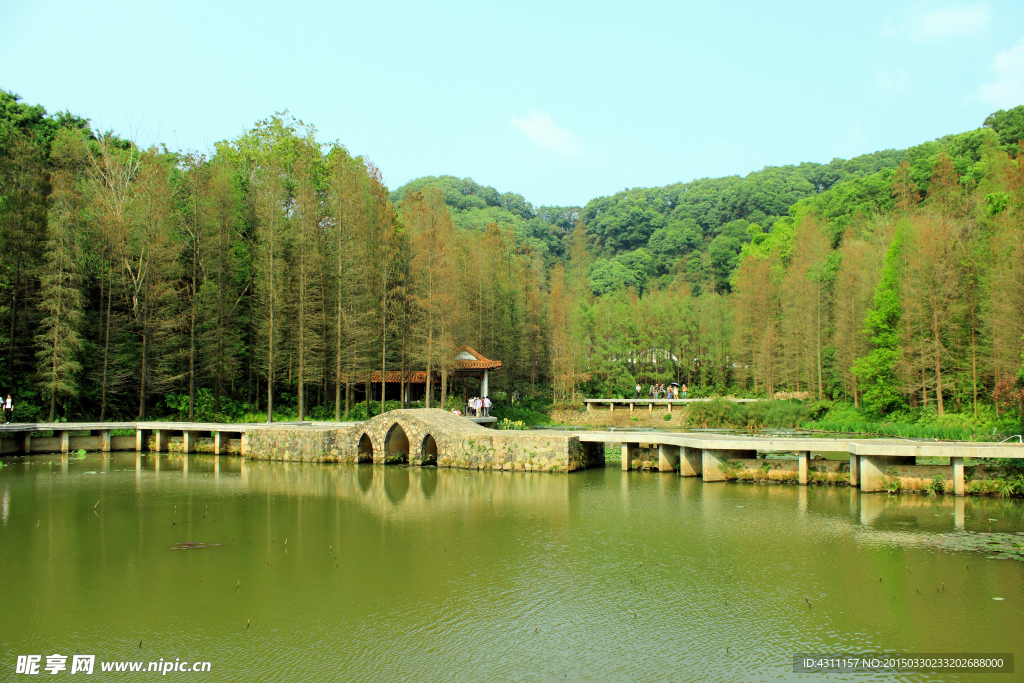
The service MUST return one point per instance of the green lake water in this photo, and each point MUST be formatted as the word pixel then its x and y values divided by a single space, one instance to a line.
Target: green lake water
pixel 366 573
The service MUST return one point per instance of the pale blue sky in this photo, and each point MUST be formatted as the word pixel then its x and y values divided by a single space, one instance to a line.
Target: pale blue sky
pixel 560 101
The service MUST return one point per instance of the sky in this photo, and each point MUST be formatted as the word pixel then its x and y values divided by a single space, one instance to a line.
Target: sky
pixel 559 101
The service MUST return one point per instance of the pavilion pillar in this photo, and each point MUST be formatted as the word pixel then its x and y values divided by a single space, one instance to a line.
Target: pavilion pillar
pixel 484 385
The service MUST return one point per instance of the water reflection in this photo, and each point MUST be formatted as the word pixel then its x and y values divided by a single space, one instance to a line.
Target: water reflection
pixel 438 574
pixel 396 483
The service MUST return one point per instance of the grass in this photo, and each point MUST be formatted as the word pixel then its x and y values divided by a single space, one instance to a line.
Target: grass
pixel 906 431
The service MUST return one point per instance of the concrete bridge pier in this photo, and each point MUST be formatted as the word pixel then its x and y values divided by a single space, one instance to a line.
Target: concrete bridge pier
pixel 854 470
pixel 24 441
pixel 959 485
pixel 140 439
pixel 668 457
pixel 872 473
pixel 65 440
pixel 627 455
pixel 805 464
pixel 712 462
pixel 218 445
pixel 161 440
pixel 873 467
pixel 188 441
pixel 105 440
pixel 690 464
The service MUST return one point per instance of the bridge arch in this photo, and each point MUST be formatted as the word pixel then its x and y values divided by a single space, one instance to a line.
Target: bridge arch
pixel 396 445
pixel 365 452
pixel 428 451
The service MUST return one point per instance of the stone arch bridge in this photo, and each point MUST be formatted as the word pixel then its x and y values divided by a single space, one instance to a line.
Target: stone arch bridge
pixel 426 436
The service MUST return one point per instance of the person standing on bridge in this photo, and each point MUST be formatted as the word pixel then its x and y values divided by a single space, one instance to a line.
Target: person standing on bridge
pixel 8 409
pixel 487 406
pixel 684 391
pixel 638 389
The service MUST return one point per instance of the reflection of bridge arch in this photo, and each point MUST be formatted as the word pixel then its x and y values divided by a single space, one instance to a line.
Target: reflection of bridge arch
pixel 396 444
pixel 428 451
pixel 396 484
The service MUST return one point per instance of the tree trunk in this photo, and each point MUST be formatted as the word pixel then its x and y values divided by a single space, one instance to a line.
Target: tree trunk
pixel 974 369
pixel 337 355
pixel 192 337
pixel 369 394
pixel 348 396
pixel 938 366
pixel 106 345
pixel 14 320
pixel 142 381
pixel 821 392
pixel 444 386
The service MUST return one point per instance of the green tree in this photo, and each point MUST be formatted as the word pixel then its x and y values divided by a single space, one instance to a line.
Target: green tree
pixel 877 370
pixel 59 338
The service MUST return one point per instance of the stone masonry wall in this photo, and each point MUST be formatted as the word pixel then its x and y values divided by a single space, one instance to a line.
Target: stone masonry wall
pixel 302 444
pixel 459 443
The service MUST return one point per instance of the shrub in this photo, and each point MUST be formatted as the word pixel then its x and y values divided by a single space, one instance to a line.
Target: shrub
pixel 818 409
pixel 716 414
pixel 522 414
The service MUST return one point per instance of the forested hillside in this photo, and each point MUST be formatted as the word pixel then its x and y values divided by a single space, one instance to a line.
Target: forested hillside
pixel 280 273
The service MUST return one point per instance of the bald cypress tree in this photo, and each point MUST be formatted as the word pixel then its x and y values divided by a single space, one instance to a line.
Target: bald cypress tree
pixel 61 299
pixel 23 183
pixel 307 301
pixel 150 258
pixel 271 235
pixel 432 242
pixel 220 292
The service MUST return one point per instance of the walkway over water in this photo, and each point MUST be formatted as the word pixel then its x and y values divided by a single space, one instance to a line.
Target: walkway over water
pixel 649 403
pixel 431 436
pixel 709 455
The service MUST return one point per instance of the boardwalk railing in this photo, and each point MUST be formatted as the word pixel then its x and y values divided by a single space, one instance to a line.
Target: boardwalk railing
pixel 649 403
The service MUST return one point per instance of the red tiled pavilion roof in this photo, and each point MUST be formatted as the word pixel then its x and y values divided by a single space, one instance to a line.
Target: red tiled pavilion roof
pixel 479 362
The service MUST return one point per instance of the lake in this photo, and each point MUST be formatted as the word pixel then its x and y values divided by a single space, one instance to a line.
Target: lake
pixel 291 572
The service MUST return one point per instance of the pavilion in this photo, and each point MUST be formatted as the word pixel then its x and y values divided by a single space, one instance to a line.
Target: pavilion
pixel 468 363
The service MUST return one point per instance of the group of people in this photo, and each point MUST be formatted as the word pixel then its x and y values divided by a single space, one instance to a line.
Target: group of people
pixel 478 407
pixel 659 391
